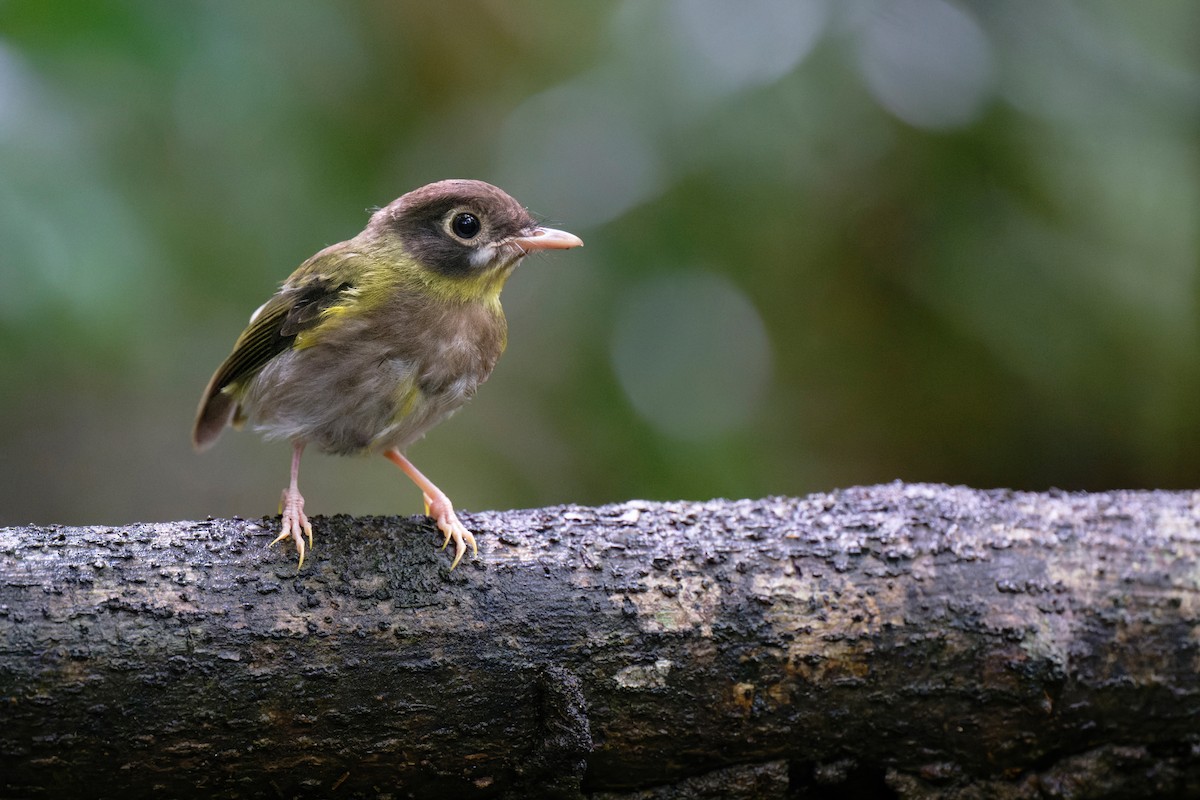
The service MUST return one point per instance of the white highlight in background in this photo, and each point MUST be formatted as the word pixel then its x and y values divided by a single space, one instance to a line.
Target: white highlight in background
pixel 692 354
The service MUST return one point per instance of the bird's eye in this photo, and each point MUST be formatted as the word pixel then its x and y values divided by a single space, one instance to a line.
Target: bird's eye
pixel 465 226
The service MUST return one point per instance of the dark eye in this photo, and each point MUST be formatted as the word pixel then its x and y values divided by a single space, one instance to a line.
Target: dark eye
pixel 465 225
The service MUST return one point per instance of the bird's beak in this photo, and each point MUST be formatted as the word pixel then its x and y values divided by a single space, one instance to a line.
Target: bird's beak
pixel 547 239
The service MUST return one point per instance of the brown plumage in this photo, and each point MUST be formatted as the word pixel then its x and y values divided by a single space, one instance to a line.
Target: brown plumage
pixel 373 341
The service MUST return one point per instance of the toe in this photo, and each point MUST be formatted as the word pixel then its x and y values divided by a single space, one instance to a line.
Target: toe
pixel 460 547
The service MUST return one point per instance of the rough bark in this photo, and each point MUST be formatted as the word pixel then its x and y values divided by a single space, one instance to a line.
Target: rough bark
pixel 899 640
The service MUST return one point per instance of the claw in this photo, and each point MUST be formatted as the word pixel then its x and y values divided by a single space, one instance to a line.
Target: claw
pixel 295 523
pixel 438 506
pixel 449 524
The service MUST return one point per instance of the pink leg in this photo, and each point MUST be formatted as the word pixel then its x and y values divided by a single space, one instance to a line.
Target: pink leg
pixel 291 508
pixel 438 506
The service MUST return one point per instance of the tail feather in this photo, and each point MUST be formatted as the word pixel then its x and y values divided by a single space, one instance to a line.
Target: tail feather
pixel 216 411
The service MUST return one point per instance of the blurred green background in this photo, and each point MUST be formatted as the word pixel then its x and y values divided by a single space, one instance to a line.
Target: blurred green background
pixel 828 243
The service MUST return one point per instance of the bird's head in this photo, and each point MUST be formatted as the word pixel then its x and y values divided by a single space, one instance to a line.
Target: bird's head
pixel 464 237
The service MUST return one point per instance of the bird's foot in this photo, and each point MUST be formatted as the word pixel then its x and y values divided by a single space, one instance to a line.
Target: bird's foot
pixel 295 524
pixel 447 521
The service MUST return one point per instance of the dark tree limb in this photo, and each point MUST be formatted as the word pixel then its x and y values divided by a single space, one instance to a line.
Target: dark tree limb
pixel 899 640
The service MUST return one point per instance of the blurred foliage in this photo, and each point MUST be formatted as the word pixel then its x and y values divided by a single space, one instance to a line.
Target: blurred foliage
pixel 827 243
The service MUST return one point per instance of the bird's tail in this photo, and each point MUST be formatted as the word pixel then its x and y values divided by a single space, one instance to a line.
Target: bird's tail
pixel 215 412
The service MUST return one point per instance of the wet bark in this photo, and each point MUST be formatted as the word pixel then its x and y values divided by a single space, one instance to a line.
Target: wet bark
pixel 890 641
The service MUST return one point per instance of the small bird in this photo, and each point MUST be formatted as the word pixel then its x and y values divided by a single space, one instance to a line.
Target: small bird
pixel 374 340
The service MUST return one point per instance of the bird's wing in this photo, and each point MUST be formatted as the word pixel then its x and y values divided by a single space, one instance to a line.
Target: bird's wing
pixel 295 308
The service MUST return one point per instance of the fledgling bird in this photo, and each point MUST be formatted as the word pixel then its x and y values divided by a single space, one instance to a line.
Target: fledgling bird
pixel 373 341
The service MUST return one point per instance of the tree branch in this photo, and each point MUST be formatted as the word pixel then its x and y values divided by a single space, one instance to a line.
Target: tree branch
pixel 899 640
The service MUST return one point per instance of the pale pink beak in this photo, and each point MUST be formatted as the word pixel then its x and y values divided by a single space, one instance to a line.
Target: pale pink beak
pixel 547 239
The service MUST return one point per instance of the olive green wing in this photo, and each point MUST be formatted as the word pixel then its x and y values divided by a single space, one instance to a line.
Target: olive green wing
pixel 273 329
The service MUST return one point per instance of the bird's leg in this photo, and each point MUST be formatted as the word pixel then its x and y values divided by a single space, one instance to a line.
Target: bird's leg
pixel 438 506
pixel 291 508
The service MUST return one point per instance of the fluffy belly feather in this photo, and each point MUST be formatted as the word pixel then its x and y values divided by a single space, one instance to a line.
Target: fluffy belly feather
pixel 346 411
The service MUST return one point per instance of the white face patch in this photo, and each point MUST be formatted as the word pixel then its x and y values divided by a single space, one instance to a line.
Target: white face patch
pixel 499 254
pixel 483 256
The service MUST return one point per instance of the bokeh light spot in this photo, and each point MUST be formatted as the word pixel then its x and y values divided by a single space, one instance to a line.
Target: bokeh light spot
pixel 927 62
pixel 578 149
pixel 692 354
pixel 731 46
